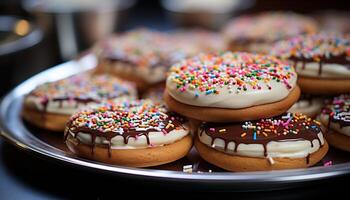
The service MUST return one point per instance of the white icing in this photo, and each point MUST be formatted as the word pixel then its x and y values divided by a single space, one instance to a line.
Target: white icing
pixel 67 107
pixel 155 138
pixel 329 70
pixel 308 108
pixel 228 99
pixel 324 118
pixel 275 149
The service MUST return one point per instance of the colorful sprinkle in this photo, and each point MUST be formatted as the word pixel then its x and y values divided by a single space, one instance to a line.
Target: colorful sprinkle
pixel 208 73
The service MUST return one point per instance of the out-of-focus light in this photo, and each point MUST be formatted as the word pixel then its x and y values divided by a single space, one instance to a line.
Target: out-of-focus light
pixel 22 27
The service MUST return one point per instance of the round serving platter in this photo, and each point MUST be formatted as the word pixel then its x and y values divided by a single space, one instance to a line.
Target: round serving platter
pixel 51 145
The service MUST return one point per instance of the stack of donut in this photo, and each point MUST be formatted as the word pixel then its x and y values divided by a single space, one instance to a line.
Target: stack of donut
pixel 99 111
pixel 154 94
pixel 239 102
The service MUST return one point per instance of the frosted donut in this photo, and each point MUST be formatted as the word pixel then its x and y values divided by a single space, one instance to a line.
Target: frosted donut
pixel 138 55
pixel 256 33
pixel 321 60
pixel 144 56
pixel 285 142
pixel 231 87
pixel 51 104
pixel 137 134
pixel 335 116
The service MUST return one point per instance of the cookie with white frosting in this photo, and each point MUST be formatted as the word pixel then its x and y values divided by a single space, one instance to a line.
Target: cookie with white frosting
pixel 51 104
pixel 138 133
pixel 256 33
pixel 284 142
pixel 322 61
pixel 224 87
pixel 335 117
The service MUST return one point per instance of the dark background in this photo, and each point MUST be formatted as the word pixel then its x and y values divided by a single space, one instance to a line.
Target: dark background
pixel 26 176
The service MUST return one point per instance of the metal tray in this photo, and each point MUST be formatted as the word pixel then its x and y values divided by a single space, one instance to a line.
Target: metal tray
pixel 51 145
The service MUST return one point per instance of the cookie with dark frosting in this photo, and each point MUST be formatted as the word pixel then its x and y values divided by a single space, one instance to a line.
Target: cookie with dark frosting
pixel 137 133
pixel 335 116
pixel 282 142
pixel 51 104
pixel 321 60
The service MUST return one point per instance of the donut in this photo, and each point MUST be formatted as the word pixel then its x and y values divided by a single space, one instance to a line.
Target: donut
pixel 143 55
pixel 50 105
pixel 287 141
pixel 138 55
pixel 227 86
pixel 309 105
pixel 335 116
pixel 138 133
pixel 256 33
pixel 321 61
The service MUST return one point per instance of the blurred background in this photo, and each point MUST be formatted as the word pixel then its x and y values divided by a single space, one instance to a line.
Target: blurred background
pixel 38 34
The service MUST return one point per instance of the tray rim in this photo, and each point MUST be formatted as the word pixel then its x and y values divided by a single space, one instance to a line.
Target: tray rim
pixel 88 62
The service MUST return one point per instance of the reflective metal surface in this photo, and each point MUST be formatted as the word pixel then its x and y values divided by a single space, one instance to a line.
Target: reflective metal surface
pixel 51 146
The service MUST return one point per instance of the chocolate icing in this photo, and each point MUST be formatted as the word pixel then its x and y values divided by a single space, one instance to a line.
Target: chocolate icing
pixel 172 118
pixel 233 132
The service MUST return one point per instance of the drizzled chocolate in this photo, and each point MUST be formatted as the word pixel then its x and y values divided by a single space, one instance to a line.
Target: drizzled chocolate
pixel 338 111
pixel 342 59
pixel 129 120
pixel 289 127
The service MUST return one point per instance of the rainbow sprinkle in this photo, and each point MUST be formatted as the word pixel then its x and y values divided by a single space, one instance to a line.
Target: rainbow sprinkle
pixel 85 86
pixel 140 115
pixel 313 46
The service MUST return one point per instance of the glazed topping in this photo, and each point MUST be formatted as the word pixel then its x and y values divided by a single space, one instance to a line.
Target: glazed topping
pixel 129 119
pixel 289 127
pixel 338 110
pixel 322 47
pixel 84 88
pixel 269 27
pixel 209 73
